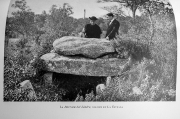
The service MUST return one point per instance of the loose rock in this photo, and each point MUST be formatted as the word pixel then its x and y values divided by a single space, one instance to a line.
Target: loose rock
pixel 100 88
pixel 26 85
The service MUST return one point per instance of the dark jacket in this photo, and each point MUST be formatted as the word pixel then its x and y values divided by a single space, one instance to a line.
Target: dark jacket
pixel 92 31
pixel 112 29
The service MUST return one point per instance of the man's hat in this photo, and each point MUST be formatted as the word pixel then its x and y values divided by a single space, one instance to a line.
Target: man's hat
pixel 93 18
pixel 110 14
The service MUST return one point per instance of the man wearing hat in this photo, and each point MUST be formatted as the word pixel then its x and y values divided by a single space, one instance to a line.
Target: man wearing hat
pixel 113 27
pixel 92 30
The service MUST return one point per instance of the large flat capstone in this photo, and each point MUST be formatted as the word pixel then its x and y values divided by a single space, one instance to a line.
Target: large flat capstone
pixel 83 66
pixel 88 47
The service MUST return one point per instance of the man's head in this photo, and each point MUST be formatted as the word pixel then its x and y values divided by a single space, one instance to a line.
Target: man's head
pixel 92 20
pixel 110 16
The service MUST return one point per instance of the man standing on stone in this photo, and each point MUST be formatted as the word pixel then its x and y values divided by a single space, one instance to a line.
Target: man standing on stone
pixel 92 30
pixel 113 27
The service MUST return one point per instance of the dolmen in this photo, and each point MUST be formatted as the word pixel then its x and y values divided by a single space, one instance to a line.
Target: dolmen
pixel 82 65
pixel 83 56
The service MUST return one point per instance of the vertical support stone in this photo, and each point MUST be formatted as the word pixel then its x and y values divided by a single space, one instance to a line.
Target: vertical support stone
pixel 108 80
pixel 48 78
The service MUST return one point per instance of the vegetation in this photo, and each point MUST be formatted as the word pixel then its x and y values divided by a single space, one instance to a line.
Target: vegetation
pixel 150 39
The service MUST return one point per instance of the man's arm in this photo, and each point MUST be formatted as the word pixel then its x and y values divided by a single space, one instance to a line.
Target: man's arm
pixel 109 35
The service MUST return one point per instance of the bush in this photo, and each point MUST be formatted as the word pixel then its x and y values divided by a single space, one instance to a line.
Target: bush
pixel 15 71
pixel 138 50
pixel 139 84
pixel 24 64
pixel 153 78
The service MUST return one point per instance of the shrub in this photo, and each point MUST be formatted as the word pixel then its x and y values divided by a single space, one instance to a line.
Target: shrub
pixel 139 84
pixel 15 71
pixel 153 78
pixel 136 49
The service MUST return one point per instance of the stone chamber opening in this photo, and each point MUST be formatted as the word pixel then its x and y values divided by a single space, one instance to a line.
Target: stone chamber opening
pixel 76 84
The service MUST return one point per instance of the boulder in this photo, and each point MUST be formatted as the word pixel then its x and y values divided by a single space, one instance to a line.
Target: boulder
pixel 14 42
pixel 53 62
pixel 137 91
pixel 27 86
pixel 100 88
pixel 87 47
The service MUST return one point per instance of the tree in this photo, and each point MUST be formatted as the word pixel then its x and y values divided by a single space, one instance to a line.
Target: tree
pixel 9 32
pixel 81 22
pixel 153 7
pixel 23 18
pixel 58 23
pixel 102 23
pixel 115 10
pixel 22 21
pixel 132 4
pixel 40 20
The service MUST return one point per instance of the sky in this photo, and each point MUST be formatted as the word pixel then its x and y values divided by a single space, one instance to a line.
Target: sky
pixel 92 7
